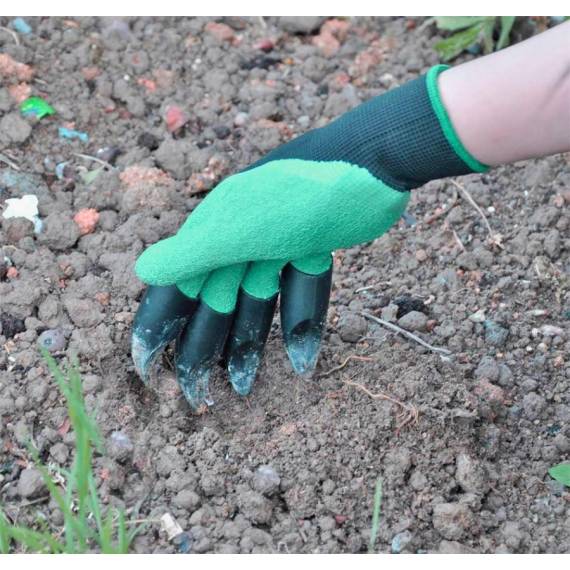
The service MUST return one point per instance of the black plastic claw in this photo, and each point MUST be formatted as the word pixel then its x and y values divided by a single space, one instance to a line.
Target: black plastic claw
pixel 247 338
pixel 162 314
pixel 198 349
pixel 304 304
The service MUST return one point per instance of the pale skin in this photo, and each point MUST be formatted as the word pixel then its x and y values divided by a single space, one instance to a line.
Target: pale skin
pixel 513 104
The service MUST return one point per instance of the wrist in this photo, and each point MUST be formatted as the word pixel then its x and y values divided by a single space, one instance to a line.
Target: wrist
pixel 412 136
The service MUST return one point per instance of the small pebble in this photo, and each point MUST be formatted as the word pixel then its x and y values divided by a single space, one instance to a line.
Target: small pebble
pixel 413 321
pixel 266 480
pixel 108 153
pixel 120 446
pixel 352 327
pixel 31 484
pixel 400 541
pixel 241 119
pixel 53 340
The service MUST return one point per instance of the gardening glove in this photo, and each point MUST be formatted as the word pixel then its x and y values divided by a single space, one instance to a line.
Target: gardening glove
pixel 273 226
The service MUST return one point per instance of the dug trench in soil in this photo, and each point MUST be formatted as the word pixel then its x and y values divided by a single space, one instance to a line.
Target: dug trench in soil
pixel 171 106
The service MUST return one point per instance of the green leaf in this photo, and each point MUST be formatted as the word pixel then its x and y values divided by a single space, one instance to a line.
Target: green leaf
pixel 561 473
pixel 454 23
pixel 4 534
pixel 37 107
pixel 453 46
pixel 89 177
pixel 506 27
pixel 487 35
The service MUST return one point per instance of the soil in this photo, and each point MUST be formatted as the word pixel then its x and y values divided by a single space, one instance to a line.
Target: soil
pixel 177 104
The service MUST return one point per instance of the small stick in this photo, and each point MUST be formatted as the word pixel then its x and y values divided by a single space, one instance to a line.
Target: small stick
pixel 457 239
pixel 443 210
pixel 10 163
pixel 495 238
pixel 94 159
pixel 344 363
pixel 368 287
pixel 410 335
pixel 34 502
pixel 12 33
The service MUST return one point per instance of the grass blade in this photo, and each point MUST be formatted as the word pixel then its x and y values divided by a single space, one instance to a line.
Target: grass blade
pixel 375 515
pixel 455 23
pixel 4 534
pixel 451 47
pixel 506 27
pixel 79 501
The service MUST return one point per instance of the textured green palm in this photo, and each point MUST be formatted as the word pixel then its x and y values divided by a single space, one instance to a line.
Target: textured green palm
pixel 256 221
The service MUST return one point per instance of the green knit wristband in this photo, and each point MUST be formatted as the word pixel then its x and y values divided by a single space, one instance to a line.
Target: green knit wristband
pixel 445 121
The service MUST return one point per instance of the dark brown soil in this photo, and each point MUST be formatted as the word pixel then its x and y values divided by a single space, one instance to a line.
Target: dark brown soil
pixel 293 467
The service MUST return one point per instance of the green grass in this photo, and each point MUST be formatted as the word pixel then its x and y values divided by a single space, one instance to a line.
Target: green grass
pixel 87 528
pixel 375 516
pixel 561 473
pixel 470 30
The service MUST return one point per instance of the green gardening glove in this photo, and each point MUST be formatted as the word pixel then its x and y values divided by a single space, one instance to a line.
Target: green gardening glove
pixel 275 225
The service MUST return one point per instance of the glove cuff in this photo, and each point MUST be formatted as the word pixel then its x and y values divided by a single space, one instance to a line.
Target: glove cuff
pixel 445 122
pixel 403 137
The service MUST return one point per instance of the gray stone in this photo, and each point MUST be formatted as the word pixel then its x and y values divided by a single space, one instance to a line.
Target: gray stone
pixel 31 484
pixel 401 541
pixel 352 327
pixel 488 369
pixel 390 313
pixel 53 340
pixel 414 321
pixel 59 452
pixel 172 156
pixel 300 24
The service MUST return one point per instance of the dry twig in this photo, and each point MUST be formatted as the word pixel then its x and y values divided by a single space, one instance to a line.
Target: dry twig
pixel 94 159
pixel 437 349
pixel 12 33
pixel 495 239
pixel 442 211
pixel 6 160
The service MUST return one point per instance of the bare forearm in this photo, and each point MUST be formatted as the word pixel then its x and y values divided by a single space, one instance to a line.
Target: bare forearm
pixel 514 104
